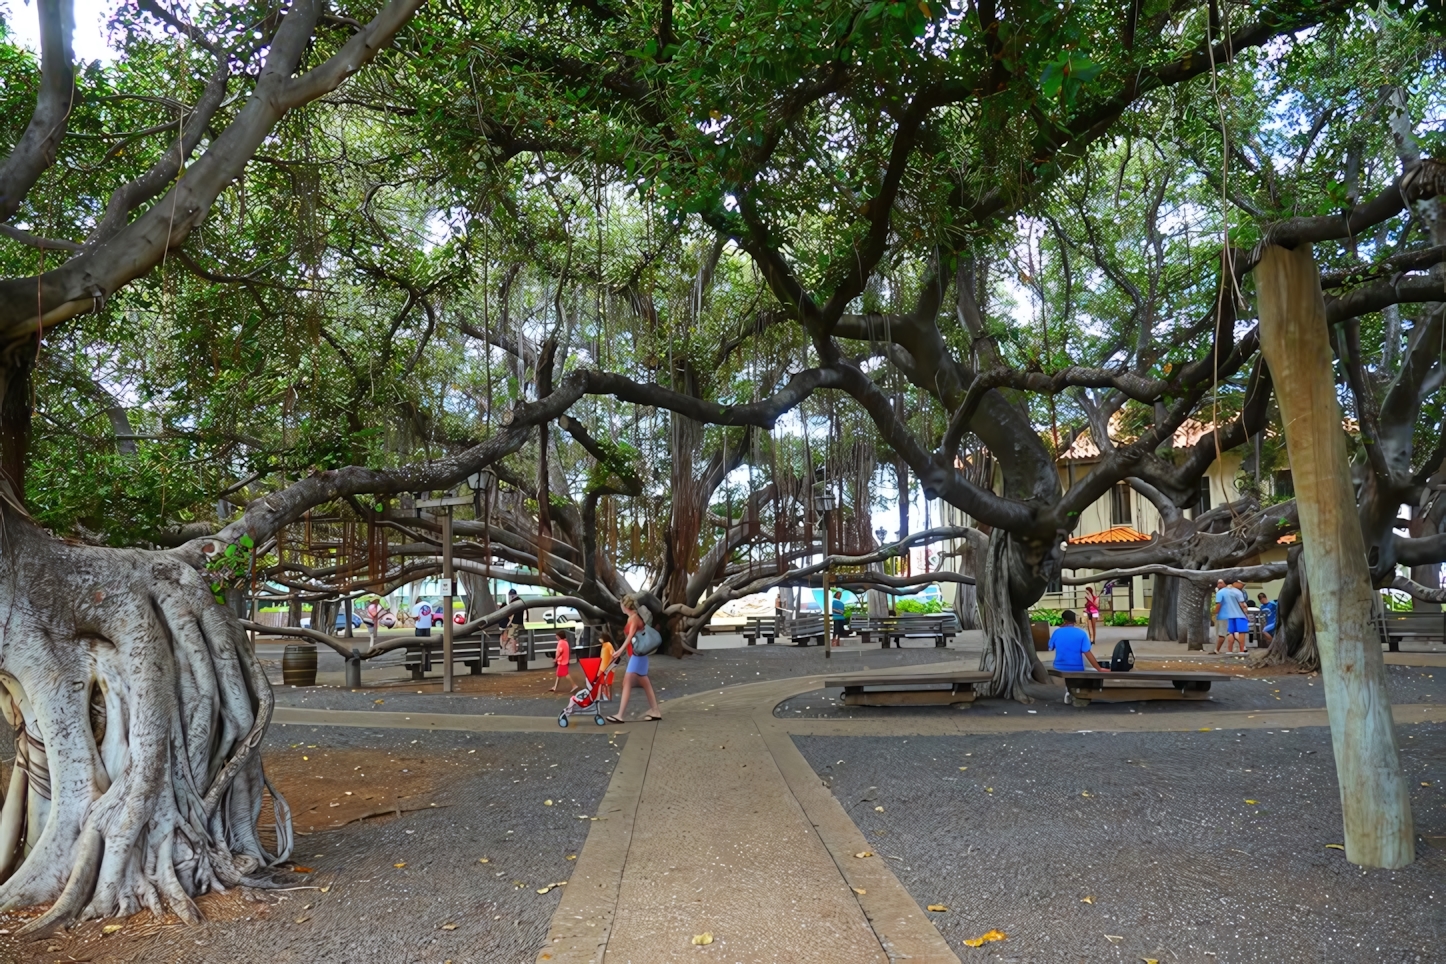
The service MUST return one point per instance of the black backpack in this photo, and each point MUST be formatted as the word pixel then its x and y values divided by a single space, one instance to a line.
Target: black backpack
pixel 1122 660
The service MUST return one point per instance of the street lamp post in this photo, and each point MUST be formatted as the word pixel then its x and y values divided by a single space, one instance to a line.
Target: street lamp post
pixel 824 503
pixel 449 588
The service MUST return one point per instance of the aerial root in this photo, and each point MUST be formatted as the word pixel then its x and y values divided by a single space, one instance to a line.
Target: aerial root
pixel 78 888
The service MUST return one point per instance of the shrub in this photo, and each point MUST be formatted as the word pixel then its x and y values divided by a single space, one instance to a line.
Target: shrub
pixel 915 606
pixel 1051 616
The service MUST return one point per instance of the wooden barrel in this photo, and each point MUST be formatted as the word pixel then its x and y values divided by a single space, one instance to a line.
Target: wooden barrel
pixel 1039 630
pixel 298 665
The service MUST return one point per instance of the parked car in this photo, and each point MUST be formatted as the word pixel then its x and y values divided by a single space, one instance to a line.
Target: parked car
pixel 356 621
pixel 561 616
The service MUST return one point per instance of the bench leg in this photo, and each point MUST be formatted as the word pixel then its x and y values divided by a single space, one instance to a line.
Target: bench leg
pixel 476 665
pixel 416 672
pixel 751 640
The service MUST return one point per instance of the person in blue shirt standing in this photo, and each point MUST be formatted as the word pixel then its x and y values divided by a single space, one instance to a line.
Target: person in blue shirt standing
pixel 1231 600
pixel 1268 609
pixel 839 613
pixel 1071 646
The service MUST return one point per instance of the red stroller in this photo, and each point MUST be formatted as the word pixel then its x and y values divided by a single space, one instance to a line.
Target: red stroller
pixel 587 697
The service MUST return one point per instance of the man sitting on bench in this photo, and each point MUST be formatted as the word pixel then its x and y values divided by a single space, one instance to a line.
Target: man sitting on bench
pixel 1071 646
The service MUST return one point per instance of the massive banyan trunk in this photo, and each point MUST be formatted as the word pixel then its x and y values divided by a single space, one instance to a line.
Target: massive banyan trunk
pixel 1004 610
pixel 138 709
pixel 1164 610
pixel 1192 617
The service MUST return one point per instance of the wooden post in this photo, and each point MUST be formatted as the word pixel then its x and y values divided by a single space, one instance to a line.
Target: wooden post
pixel 447 578
pixel 1293 338
pixel 827 603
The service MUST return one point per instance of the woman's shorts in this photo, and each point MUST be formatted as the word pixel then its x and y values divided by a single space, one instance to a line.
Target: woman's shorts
pixel 638 665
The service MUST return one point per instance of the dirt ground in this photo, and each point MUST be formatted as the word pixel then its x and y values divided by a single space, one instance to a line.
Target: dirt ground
pixel 1230 666
pixel 534 683
pixel 325 789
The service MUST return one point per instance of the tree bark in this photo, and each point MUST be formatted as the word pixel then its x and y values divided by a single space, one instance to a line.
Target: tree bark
pixel 138 709
pixel 1164 610
pixel 1008 645
pixel 1374 798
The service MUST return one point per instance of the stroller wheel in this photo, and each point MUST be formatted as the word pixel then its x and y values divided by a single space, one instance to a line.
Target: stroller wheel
pixel 599 720
pixel 562 721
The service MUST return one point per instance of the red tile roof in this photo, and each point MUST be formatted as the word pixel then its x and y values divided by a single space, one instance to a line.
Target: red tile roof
pixel 1114 535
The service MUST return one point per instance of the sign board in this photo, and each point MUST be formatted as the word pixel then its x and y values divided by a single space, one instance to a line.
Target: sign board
pixel 448 587
pixel 443 502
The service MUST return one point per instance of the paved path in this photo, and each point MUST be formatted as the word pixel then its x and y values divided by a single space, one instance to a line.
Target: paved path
pixel 715 823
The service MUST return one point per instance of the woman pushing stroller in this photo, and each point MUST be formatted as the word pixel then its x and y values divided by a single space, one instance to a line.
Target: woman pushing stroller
pixel 639 625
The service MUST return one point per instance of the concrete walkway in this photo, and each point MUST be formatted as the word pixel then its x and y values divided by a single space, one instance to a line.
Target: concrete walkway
pixel 714 823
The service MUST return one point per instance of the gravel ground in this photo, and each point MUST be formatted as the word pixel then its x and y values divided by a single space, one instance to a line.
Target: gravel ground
pixel 1406 684
pixel 490 804
pixel 1197 848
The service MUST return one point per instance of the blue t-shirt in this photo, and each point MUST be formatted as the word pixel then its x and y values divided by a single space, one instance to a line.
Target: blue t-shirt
pixel 1069 643
pixel 1267 613
pixel 1232 603
pixel 838 609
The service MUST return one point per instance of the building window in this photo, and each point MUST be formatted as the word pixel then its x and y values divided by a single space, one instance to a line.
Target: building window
pixel 1056 582
pixel 1202 504
pixel 1120 499
pixel 1284 484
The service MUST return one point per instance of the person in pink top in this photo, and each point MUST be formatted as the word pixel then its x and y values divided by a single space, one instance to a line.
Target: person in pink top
pixel 565 670
pixel 1092 611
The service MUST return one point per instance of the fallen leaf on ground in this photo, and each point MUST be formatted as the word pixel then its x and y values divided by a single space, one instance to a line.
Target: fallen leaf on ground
pixel 985 938
pixel 326 889
pixel 301 870
pixel 1113 939
pixel 543 890
pixel 1086 900
pixel 1085 793
pixel 702 939
pixel 963 768
pixel 1149 960
pixel 483 860
pixel 879 809
pixel 1203 729
pixel 110 929
pixel 449 927
pixel 572 856
pixel 302 920
pixel 860 891
pixel 399 866
pixel 1335 846
pixel 864 853
pixel 938 908
pixel 547 803
pixel 1252 802
pixel 378 702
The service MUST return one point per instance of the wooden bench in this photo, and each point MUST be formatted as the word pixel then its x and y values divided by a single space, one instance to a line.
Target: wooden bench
pixel 760 626
pixel 894 629
pixel 425 650
pixel 1424 627
pixel 1086 686
pixel 804 629
pixel 923 689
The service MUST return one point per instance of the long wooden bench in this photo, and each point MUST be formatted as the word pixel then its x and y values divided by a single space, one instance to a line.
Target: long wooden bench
pixel 1086 686
pixel 764 627
pixel 1424 627
pixel 922 689
pixel 478 651
pixel 426 650
pixel 895 629
pixel 803 630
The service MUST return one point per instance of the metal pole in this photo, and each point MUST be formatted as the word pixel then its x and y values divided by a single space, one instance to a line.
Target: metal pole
pixel 447 600
pixel 827 603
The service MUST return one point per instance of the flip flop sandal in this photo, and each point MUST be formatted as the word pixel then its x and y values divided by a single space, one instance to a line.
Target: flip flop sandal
pixel 612 719
pixel 653 717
